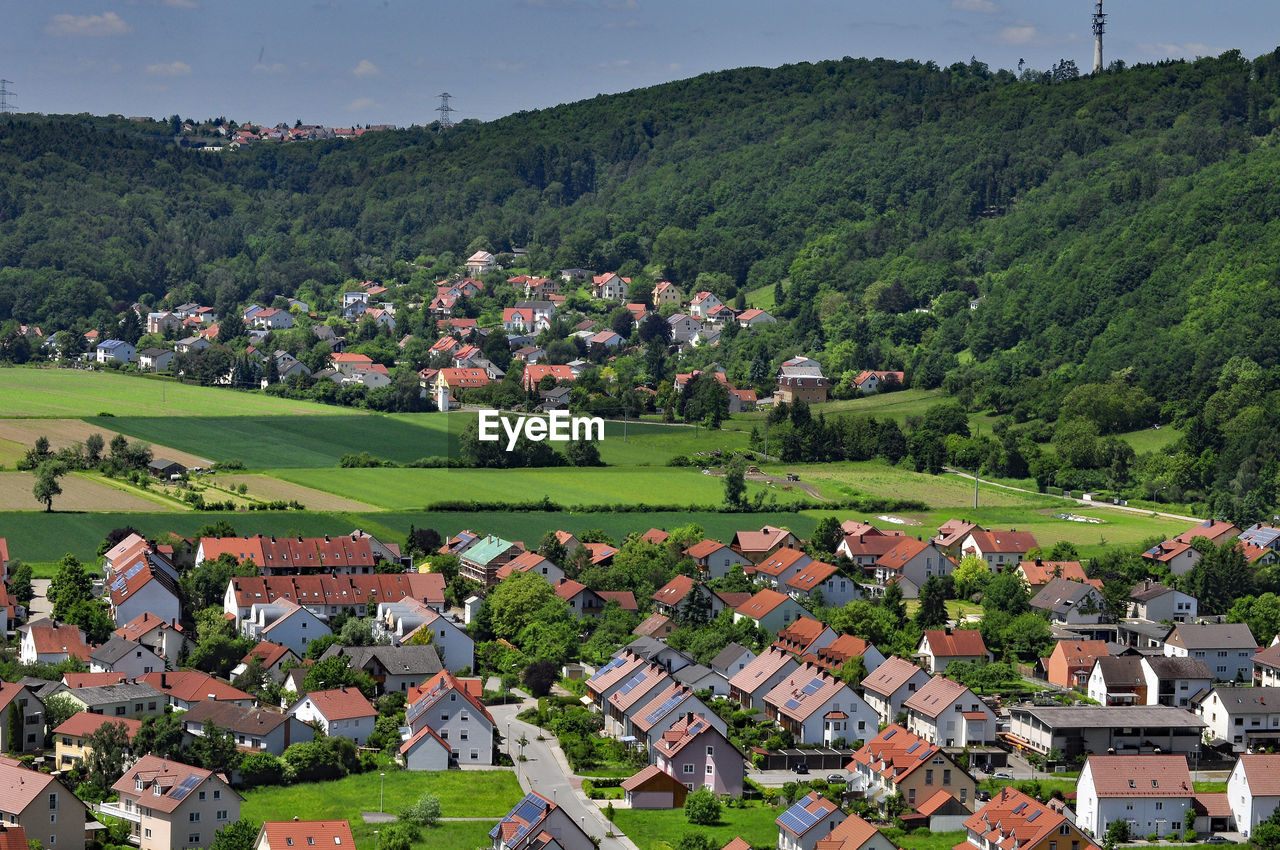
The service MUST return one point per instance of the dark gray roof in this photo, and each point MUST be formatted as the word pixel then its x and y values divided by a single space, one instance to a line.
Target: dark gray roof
pixel 115 649
pixel 1244 700
pixel 727 656
pixel 1105 716
pixel 396 660
pixel 645 647
pixel 1121 671
pixel 1179 668
pixel 107 694
pixel 42 688
pixel 227 715
pixel 1061 594
pixel 1212 636
pixel 1146 591
pixel 692 674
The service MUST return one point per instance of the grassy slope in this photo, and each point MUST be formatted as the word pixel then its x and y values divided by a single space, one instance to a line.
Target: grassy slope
pixel 661 829
pixel 75 393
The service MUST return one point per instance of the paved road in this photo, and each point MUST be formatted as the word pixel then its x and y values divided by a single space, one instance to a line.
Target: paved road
pixel 40 609
pixel 1081 502
pixel 547 772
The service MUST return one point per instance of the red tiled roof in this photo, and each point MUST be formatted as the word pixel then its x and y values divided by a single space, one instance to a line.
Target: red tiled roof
pixel 1140 776
pixel 316 553
pixel 267 653
pixel 953 643
pixel 144 624
pixel 656 536
pixel 811 575
pixel 674 591
pixel 193 686
pixel 1262 772
pixel 800 635
pixel 937 695
pixel 169 774
pixel 762 603
pixel 704 548
pixel 889 676
pixel 13 837
pixel 326 589
pixel 652 625
pixel 92 680
pixel 56 640
pixel 1004 542
pixel 342 703
pixel 1012 819
pixel 626 599
pixel 780 561
pixel 82 723
pixel 1212 530
pixel 850 835
pixel 1042 572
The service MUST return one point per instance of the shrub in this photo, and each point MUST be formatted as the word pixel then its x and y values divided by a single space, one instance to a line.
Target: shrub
pixel 426 811
pixel 702 808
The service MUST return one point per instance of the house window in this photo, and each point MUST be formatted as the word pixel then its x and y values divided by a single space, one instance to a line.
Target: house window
pixel 193 838
pixel 688 768
pixel 710 770
pixel 711 751
pixel 194 817
pixel 928 776
pixel 201 795
pixel 148 832
pixel 222 814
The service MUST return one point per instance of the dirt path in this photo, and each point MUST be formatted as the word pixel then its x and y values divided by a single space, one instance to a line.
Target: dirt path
pixel 1081 502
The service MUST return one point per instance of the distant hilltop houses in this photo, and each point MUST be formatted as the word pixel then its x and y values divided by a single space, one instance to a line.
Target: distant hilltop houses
pixel 223 135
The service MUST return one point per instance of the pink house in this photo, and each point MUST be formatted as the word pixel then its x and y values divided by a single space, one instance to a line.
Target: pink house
pixel 697 754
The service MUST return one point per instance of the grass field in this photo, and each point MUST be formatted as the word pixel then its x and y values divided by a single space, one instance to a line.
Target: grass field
pixel 39 537
pixel 79 493
pixel 404 489
pixel 896 405
pixel 877 478
pixel 487 793
pixel 76 393
pixel 923 839
pixel 1150 440
pixel 661 829
pixel 761 298
pixel 65 432
pixel 265 488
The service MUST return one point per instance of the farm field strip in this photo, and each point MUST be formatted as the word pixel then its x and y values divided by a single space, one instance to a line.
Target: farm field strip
pixel 66 432
pixel 267 488
pixel 79 493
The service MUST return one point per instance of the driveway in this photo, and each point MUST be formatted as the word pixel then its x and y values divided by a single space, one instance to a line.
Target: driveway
pixel 40 609
pixel 547 772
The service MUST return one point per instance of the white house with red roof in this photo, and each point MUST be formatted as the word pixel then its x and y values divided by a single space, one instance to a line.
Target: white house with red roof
pixel 887 688
pixel 940 647
pixel 170 804
pixel 342 554
pixel 1014 821
pixel 748 686
pixel 805 637
pixel 144 587
pixel 341 712
pixel 818 708
pixel 452 709
pixel 166 638
pixel 299 834
pixel 536 823
pixel 821 583
pixel 535 372
pixel 480 262
pixel 680 596
pixel 947 713
pixel 610 287
pixel 328 595
pixel 910 563
pixel 42 806
pixel 637 690
pixel 703 303
pixel 809 820
pixel 274 658
pixel 866 545
pixel 770 610
pixel 755 546
pixel 858 834
pixel 897 762
pixel 715 559
pixel 776 569
pixel 531 562
pixel 45 642
pixel 1152 792
pixel 612 676
pixel 753 317
pixel 402 620
pixel 648 720
pixel 1216 532
pixel 185 688
pixel 1253 790
pixel 1177 556
pixel 1000 549
pixel 843 649
pixel 868 381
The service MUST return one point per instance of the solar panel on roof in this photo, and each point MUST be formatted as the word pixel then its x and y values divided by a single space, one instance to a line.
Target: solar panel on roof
pixel 1019 807
pixel 134 570
pixel 890 734
pixel 791 703
pixel 415 711
pixel 911 749
pixel 1035 815
pixel 635 681
pixel 813 687
pixel 185 787
pixel 652 717
pixel 530 809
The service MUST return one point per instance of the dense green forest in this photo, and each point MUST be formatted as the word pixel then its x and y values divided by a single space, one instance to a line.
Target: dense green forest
pixel 1081 255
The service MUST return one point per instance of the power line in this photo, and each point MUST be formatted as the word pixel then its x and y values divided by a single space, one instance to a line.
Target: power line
pixel 5 94
pixel 444 109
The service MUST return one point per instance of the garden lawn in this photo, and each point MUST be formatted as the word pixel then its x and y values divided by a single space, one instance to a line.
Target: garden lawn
pixel 923 839
pixel 661 829
pixel 75 393
pixel 401 489
pixel 469 793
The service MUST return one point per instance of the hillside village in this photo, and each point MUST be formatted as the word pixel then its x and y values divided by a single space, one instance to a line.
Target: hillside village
pixel 704 674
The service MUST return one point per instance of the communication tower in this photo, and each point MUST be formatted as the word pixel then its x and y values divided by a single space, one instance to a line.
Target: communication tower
pixel 1099 27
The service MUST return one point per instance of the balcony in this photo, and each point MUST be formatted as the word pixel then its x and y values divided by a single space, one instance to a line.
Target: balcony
pixel 117 810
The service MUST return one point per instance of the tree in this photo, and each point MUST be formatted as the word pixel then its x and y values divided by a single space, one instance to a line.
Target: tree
pixel 215 749
pixel 971 575
pixel 93 446
pixel 262 769
pixel 539 676
pixel 1006 592
pixel 827 536
pixel 1260 613
pixel 512 603
pixel 20 582
pixel 46 486
pixel 161 735
pixel 58 709
pixel 107 747
pixel 932 613
pixel 239 835
pixel 335 672
pixel 583 452
pixel 425 811
pixel 70 586
pixel 894 604
pixel 735 482
pixel 702 808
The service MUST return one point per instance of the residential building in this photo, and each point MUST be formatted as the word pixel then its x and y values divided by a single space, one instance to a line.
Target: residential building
pixel 939 647
pixel 755 546
pixel 531 562
pixel 393 668
pixel 807 821
pixel 820 583
pixel 126 699
pixel 947 713
pixel 126 657
pixel 770 610
pixel 1174 681
pixel 285 834
pixel 685 598
pixel 666 292
pixel 714 559
pixel 1013 821
pixel 1228 648
pixel 451 707
pixel 749 687
pixel 844 649
pixel 1152 793
pixel 857 834
pixel 888 687
pixel 1000 549
pixel 732 660
pixel 41 806
pixel 1039 572
pixel 353 554
pixel 114 351
pixel 818 708
pixel 1152 601
pixel 1266 666
pixel 341 712
pixel 23 715
pixel 184 688
pixel 649 721
pixel 703 303
pixel 1253 790
pixel 804 637
pixel 1071 662
pixel 911 563
pixel 1216 532
pixel 326 596
pixel 639 689
pixel 1071 603
pixel 166 638
pixel 1178 557
pixel 172 805
pixel 45 642
pixel 536 823
pixel 897 762
pixel 800 379
pixel 654 788
pixel 1247 718
pixel 70 738
pixel 1124 729
pixel 610 287
pixel 285 622
pixel 869 382
pixel 696 753
pixel 481 561
pixel 254 729
pixel 272 657
pixel 1118 680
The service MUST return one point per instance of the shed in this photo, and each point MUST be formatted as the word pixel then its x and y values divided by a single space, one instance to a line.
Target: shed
pixel 653 788
pixel 163 468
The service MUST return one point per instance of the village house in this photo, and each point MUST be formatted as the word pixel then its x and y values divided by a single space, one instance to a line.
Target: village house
pixel 125 699
pixel 1228 648
pixel 480 263
pixel 254 729
pixel 818 708
pixel 1253 790
pixel 1036 574
pixel 696 753
pixel 452 709
pixel 857 834
pixel 647 722
pixel 755 546
pixel 714 559
pixel 781 566
pixel 999 549
pixel 70 738
pixel 1266 666
pixel 866 547
pixel 273 658
pixel 343 554
pixel 42 806
pixel 1178 557
pixel 732 660
pixel 800 379
pixel 401 621
pixel 327 596
pixel 1070 603
pixel 155 359
pixel 910 563
pixel 749 687
pixel 610 287
pixel 666 292
pixel 820 583
pixel 939 647
pixel 144 586
pixel 286 834
pixel 703 303
pixel 24 717
pixel 1174 681
pixel 638 689
pixel 394 669
pixel 770 610
pixel 1118 680
pixel 285 622
pixel 654 788
pixel 1246 718
pixel 170 804
pixel 872 382
pixel 534 373
pixel 129 658
pixel 753 318
pixel 896 761
pixel 45 642
pixel 806 822
pixel 1152 793
pixel 805 637
pixel 536 823
pixel 184 688
pixel 1071 662
pixel 337 712
pixel 888 687
pixel 1013 821
pixel 114 351
pixel 612 676
pixel 1152 601
pixel 685 598
pixel 480 561
pixel 844 649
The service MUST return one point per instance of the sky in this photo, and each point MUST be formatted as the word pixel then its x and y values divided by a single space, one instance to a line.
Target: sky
pixel 357 62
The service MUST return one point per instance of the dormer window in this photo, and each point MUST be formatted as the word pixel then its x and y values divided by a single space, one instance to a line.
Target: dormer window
pixel 155 789
pixel 137 783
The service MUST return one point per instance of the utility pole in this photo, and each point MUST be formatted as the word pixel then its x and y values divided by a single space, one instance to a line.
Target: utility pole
pixel 5 94
pixel 444 109
pixel 1099 27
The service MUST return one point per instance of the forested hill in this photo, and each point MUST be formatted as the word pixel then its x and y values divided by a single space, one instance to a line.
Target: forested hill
pixel 1118 222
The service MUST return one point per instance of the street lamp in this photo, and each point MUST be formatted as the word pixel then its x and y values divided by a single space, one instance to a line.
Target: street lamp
pixel 382 785
pixel 375 839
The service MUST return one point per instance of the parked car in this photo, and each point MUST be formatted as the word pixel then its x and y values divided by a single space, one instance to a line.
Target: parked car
pixel 984 796
pixel 801 768
pixel 1002 774
pixel 836 777
pixel 1218 839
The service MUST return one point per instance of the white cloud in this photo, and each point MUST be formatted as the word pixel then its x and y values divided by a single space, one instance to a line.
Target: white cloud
pixel 1019 34
pixel 360 103
pixel 182 4
pixel 273 68
pixel 108 23
pixel 366 69
pixel 986 7
pixel 1189 48
pixel 169 69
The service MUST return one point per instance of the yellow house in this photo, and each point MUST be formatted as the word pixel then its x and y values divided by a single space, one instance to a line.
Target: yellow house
pixel 69 738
